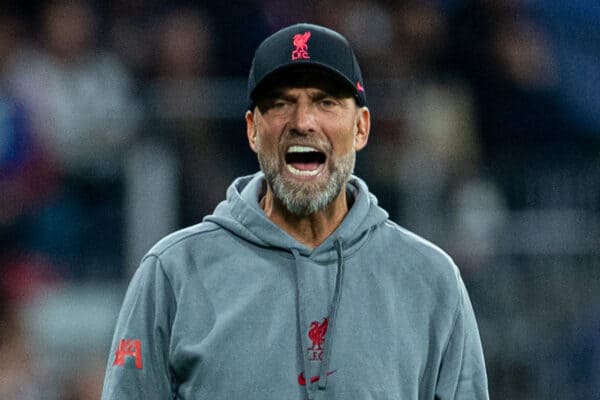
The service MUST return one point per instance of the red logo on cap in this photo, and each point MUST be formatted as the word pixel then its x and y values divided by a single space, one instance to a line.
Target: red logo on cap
pixel 359 87
pixel 301 51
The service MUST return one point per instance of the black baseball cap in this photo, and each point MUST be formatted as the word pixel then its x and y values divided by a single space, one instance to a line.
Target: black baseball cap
pixel 302 47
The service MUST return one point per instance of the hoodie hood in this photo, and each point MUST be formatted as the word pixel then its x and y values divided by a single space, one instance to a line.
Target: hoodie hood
pixel 241 214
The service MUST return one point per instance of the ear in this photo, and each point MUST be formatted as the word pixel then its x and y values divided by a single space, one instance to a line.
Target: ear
pixel 363 127
pixel 251 130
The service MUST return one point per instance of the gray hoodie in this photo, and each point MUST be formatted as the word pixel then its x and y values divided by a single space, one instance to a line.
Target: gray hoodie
pixel 235 308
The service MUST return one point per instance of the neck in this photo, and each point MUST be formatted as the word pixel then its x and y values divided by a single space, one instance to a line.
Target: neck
pixel 310 230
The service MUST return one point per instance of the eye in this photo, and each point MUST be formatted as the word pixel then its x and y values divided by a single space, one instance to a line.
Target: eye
pixel 278 103
pixel 275 105
pixel 328 102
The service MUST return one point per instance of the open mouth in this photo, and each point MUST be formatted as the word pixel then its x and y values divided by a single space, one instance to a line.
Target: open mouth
pixel 304 160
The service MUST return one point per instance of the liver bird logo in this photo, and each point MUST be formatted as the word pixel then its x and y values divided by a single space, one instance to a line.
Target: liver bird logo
pixel 301 44
pixel 316 334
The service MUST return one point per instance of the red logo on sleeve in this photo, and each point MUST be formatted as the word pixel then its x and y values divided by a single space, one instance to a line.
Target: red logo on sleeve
pixel 129 348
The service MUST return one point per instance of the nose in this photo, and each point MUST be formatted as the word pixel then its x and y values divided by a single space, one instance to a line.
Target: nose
pixel 303 119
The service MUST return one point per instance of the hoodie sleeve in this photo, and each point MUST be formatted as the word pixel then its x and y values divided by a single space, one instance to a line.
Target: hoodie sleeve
pixel 462 372
pixel 138 365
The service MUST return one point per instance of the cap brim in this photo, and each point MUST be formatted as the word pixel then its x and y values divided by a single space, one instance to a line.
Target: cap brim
pixel 301 74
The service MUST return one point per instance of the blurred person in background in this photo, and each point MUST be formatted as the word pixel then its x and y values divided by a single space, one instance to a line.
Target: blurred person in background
pixel 82 108
pixel 507 60
pixel 177 153
pixel 184 63
pixel 535 156
pixel 439 156
pixel 27 177
pixel 180 122
pixel 27 181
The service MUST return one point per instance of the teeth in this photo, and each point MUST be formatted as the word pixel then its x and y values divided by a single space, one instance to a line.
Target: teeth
pixel 302 173
pixel 301 149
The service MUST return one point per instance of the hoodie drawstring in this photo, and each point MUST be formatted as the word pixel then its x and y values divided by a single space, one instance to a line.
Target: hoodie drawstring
pixel 299 314
pixel 333 310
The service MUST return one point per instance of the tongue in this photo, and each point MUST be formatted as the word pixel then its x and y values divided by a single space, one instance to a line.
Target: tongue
pixel 305 166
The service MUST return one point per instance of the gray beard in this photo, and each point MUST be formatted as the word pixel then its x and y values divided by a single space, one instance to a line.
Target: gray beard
pixel 304 199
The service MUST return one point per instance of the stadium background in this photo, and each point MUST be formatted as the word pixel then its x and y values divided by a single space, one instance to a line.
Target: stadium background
pixel 122 120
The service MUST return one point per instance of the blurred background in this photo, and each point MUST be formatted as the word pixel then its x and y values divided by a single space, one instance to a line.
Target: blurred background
pixel 122 120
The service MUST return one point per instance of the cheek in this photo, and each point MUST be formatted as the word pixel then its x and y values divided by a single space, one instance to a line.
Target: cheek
pixel 262 137
pixel 266 142
pixel 344 139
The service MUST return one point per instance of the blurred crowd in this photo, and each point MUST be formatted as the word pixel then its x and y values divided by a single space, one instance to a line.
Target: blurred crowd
pixel 121 121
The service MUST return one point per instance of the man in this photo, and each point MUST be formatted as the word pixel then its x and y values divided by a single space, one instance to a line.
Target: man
pixel 298 286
